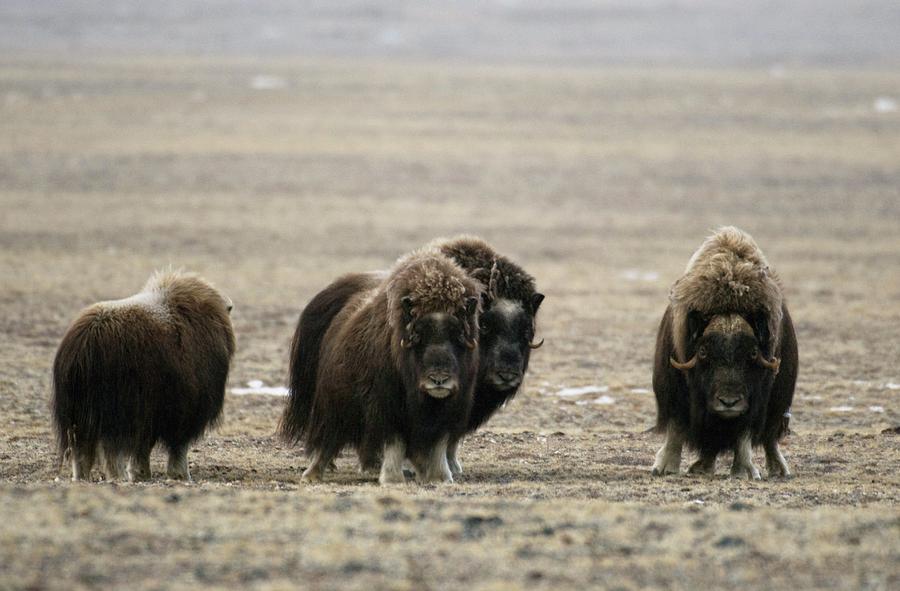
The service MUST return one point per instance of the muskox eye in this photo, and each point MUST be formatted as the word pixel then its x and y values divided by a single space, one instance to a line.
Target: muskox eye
pixel 754 354
pixel 701 354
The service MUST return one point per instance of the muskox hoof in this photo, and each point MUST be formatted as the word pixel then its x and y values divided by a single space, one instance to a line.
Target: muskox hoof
pixel 138 469
pixel 138 476
pixel 778 470
pixel 392 478
pixel 776 466
pixel 703 467
pixel 748 471
pixel 183 475
pixel 666 463
pixel 311 476
pixel 455 467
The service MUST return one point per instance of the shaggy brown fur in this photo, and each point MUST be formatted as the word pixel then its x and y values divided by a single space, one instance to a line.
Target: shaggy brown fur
pixel 478 258
pixel 728 304
pixel 145 369
pixel 728 273
pixel 368 392
pixel 306 348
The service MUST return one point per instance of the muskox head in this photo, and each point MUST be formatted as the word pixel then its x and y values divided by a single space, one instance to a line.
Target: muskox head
pixel 507 337
pixel 438 349
pixel 728 369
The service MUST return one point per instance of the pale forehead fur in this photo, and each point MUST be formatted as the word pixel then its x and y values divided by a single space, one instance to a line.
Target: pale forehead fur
pixel 728 274
pixel 509 309
pixel 728 324
pixel 432 281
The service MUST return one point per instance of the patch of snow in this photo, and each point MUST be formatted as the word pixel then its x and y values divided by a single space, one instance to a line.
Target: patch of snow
pixel 602 400
pixel 884 104
pixel 892 386
pixel 258 387
pixel 639 275
pixel 640 391
pixel 876 408
pixel 841 408
pixel 569 392
pixel 263 82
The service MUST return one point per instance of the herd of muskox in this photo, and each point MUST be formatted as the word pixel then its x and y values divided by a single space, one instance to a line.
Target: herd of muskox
pixel 401 365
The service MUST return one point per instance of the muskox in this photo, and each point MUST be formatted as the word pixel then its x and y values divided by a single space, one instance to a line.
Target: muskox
pixel 145 369
pixel 507 327
pixel 726 360
pixel 306 345
pixel 395 371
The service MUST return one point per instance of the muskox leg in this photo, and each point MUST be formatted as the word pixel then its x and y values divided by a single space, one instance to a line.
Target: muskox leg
pixel 83 462
pixel 453 458
pixel 775 463
pixel 139 466
pixel 743 460
pixel 392 464
pixel 434 466
pixel 705 465
pixel 668 458
pixel 319 461
pixel 178 464
pixel 113 462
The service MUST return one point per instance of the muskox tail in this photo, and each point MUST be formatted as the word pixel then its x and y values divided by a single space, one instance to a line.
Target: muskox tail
pixel 306 348
pixel 76 398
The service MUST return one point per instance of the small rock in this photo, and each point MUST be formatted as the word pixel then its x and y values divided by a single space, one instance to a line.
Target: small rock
pixel 730 542
pixel 740 506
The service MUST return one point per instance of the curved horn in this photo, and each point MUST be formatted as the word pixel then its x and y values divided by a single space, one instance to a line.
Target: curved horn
pixel 690 364
pixel 492 281
pixel 471 343
pixel 773 364
pixel 536 345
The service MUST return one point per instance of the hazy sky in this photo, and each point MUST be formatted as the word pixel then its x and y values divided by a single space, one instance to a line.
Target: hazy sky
pixel 714 32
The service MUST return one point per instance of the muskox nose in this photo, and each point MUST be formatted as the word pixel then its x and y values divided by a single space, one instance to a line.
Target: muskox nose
pixel 729 401
pixel 438 378
pixel 507 376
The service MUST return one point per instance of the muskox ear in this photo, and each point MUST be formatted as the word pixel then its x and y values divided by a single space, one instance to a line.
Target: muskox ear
pixel 759 321
pixel 471 306
pixel 536 300
pixel 407 304
pixel 696 323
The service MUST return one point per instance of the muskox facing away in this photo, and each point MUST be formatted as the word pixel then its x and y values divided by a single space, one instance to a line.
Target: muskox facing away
pixel 394 371
pixel 726 360
pixel 145 369
pixel 507 327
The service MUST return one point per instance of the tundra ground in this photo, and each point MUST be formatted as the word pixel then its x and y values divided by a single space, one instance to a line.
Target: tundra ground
pixel 272 179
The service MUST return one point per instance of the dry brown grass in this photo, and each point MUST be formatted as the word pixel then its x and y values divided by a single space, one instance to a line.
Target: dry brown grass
pixel 110 169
